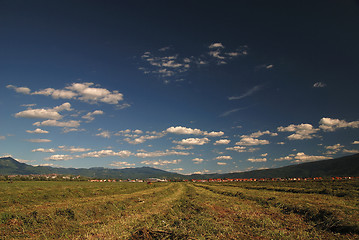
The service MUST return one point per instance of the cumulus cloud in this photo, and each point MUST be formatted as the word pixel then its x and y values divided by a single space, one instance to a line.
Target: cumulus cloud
pixel 221 163
pixel 193 141
pixel 59 157
pixel 160 154
pixel 105 153
pixel 302 157
pixel 23 90
pixel 104 134
pixel 185 130
pixel 287 158
pixel 222 142
pixel 38 140
pixel 257 159
pixel 259 134
pixel 247 93
pixel 352 151
pixel 86 92
pixel 334 148
pixel 50 150
pixel 355 142
pixel 302 131
pixel 160 162
pixel 37 131
pixel 73 149
pixel 122 164
pixel 330 125
pixel 224 158
pixel 249 141
pixel 241 149
pixel 197 160
pixel 90 116
pixel 52 113
pixel 55 123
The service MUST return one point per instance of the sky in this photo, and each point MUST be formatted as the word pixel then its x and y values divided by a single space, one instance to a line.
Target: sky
pixel 183 86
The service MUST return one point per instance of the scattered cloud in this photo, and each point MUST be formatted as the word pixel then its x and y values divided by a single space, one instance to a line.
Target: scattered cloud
pixel 302 131
pixel 221 163
pixel 257 159
pixel 59 157
pixel 190 131
pixel 23 90
pixel 222 142
pixel 160 154
pixel 330 125
pixel 90 116
pixel 104 134
pixel 105 153
pixel 86 92
pixel 197 160
pixel 50 150
pixel 2 137
pixel 224 158
pixel 249 141
pixel 55 123
pixel 302 157
pixel 161 162
pixel 38 140
pixel 241 149
pixel 73 149
pixel 52 113
pixel 121 164
pixel 37 131
pixel 355 142
pixel 192 141
pixel 352 151
pixel 259 134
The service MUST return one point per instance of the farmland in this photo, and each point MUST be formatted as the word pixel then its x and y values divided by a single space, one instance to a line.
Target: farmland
pixel 179 210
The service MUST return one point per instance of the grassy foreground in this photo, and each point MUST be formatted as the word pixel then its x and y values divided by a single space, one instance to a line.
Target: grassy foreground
pixel 258 210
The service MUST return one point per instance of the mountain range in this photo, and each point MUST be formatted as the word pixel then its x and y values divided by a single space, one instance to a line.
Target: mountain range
pixel 343 166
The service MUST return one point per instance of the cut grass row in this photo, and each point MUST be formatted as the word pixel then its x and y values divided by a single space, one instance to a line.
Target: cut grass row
pixel 334 214
pixel 173 211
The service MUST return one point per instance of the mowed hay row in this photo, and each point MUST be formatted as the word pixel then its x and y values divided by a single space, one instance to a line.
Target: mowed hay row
pixel 333 214
pixel 77 217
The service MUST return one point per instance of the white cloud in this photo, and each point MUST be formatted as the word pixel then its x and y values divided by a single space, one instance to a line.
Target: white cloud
pixel 184 130
pixel 214 134
pixel 193 141
pixel 354 151
pixel 23 90
pixel 37 131
pixel 330 125
pixel 247 93
pixel 302 131
pixel 264 154
pixel 302 157
pixel 121 164
pixel 50 150
pixel 335 147
pixel 181 147
pixel 90 116
pixel 104 134
pixel 259 134
pixel 52 113
pixel 284 158
pixel 160 154
pixel 106 153
pixel 216 45
pixel 197 160
pixel 55 123
pixel 355 142
pixel 221 163
pixel 222 142
pixel 224 158
pixel 257 159
pixel 249 141
pixel 160 162
pixel 241 149
pixel 59 157
pixel 319 85
pixel 38 140
pixel 73 149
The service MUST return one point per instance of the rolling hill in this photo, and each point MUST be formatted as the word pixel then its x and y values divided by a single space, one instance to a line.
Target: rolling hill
pixel 343 166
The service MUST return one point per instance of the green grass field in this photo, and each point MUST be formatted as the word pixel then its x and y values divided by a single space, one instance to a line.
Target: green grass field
pixel 232 210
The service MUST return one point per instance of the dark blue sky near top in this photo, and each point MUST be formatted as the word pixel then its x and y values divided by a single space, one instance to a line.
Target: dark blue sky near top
pixel 291 63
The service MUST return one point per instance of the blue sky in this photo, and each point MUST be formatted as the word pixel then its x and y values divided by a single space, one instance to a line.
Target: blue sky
pixel 184 86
